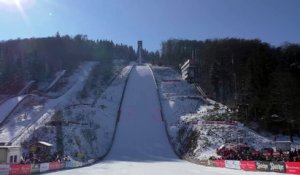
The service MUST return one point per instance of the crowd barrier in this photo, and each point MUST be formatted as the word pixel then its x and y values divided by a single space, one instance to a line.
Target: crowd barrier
pixel 248 165
pixel 233 164
pixel 219 163
pixel 292 167
pixel 27 169
pixel 280 167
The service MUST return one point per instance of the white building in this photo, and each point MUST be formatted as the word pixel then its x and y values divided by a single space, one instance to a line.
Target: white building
pixel 10 154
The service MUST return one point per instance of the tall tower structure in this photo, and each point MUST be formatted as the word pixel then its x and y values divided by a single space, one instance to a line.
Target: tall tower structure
pixel 139 51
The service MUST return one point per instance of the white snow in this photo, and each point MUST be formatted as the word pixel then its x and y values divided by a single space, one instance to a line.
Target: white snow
pixel 95 137
pixel 141 146
pixel 27 86
pixel 188 111
pixel 7 106
pixel 59 75
pixel 35 111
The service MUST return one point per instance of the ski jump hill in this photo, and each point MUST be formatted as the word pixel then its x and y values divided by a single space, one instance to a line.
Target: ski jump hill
pixel 141 145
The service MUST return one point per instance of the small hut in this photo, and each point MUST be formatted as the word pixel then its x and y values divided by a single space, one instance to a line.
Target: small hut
pixel 40 147
pixel 40 151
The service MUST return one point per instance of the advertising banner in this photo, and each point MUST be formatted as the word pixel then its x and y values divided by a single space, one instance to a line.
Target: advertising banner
pixel 277 167
pixel 55 166
pixel 44 167
pixel 292 167
pixel 78 164
pixel 248 165
pixel 262 166
pixel 35 168
pixel 62 165
pixel 69 164
pixel 210 163
pixel 91 161
pixel 203 162
pixel 4 169
pixel 233 164
pixel 219 163
pixel 20 169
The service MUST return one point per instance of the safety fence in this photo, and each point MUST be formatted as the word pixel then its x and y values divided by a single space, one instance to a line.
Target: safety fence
pixel 27 169
pixel 267 166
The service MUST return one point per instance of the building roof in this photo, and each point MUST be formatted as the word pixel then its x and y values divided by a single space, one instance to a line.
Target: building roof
pixel 45 143
pixel 9 147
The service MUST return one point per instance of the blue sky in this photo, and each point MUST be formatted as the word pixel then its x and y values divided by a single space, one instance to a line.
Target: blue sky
pixel 153 21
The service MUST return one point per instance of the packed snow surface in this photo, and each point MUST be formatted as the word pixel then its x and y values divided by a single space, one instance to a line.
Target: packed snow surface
pixel 141 146
pixel 35 111
pixel 59 75
pixel 7 106
pixel 184 108
pixel 94 137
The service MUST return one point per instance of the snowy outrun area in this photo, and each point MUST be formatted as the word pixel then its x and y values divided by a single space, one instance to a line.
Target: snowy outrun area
pixel 141 146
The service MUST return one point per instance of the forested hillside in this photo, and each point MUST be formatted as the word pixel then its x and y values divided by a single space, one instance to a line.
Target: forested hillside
pixel 264 81
pixel 40 58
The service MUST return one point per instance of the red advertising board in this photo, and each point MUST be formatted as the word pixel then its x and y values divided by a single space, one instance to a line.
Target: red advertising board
pixel 55 166
pixel 248 165
pixel 219 163
pixel 20 169
pixel 292 167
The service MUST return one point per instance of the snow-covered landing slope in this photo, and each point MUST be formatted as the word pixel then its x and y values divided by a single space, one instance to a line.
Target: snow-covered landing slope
pixel 96 137
pixel 7 106
pixel 185 115
pixel 141 146
pixel 38 110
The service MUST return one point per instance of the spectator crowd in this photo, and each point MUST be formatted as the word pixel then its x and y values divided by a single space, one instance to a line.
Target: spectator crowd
pixel 245 152
pixel 32 158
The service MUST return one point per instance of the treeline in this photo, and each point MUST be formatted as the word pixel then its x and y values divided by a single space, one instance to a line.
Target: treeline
pixel 39 58
pixel 262 80
pixel 150 56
